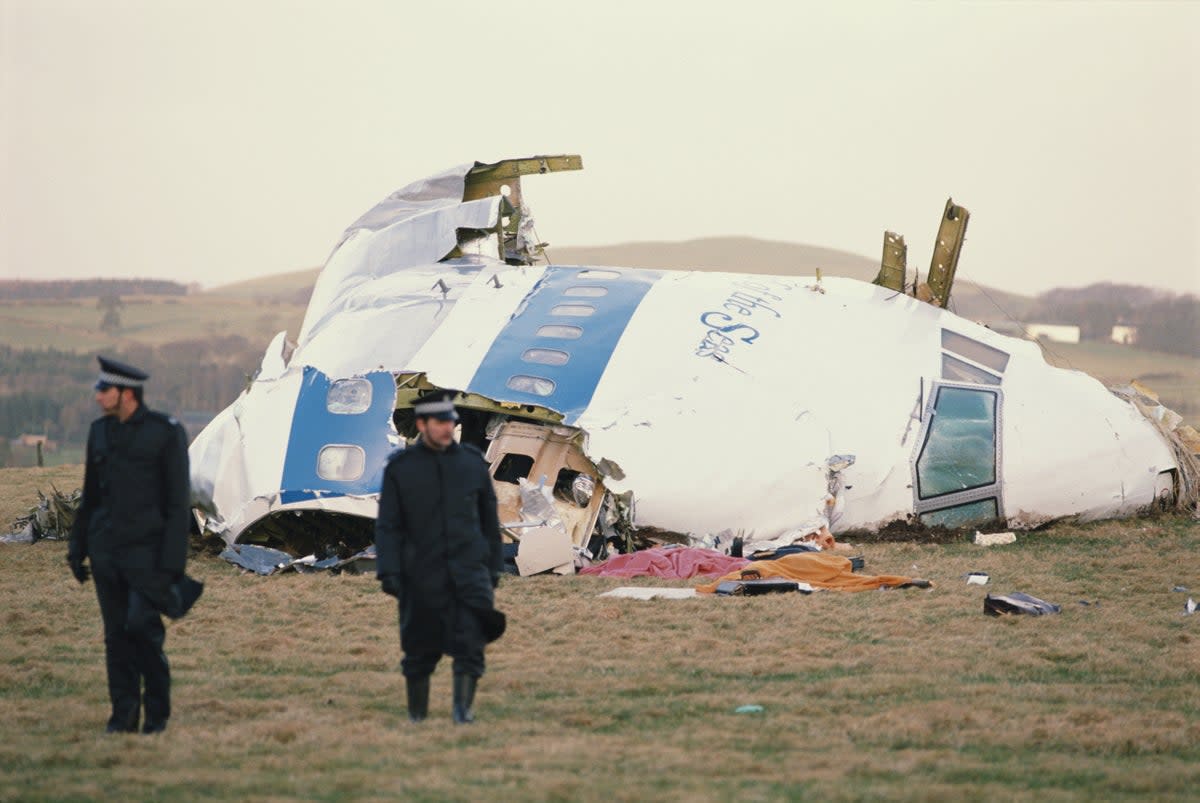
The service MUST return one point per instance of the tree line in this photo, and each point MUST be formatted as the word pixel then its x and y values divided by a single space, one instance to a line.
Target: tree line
pixel 49 392
pixel 28 289
pixel 1165 321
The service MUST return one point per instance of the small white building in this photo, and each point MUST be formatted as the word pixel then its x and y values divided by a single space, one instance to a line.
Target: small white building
pixel 1053 332
pixel 1124 334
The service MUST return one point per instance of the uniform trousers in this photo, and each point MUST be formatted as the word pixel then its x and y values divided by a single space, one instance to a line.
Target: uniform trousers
pixel 133 641
pixel 428 633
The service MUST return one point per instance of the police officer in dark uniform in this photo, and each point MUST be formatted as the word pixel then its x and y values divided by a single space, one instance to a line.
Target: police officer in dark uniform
pixel 437 543
pixel 133 527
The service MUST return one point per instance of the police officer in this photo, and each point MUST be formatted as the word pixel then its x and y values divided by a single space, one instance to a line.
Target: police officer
pixel 133 527
pixel 437 544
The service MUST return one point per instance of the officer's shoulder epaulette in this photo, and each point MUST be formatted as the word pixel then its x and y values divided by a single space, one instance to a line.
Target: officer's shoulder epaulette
pixel 165 417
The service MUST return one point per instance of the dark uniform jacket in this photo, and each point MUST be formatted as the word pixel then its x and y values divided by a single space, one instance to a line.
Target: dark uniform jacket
pixel 438 528
pixel 136 494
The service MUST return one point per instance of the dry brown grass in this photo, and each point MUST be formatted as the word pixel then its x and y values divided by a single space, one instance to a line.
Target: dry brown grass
pixel 287 687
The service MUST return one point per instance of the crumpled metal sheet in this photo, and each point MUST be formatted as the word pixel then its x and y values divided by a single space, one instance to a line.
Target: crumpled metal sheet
pixel 1018 602
pixel 50 519
pixel 266 561
pixel 258 559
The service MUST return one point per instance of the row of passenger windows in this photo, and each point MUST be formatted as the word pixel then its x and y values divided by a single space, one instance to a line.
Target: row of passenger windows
pixel 540 385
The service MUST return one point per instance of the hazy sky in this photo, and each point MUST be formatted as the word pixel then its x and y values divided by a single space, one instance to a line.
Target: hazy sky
pixel 212 141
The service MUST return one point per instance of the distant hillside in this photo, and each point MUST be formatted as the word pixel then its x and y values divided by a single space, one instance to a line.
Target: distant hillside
pixel 750 255
pixel 58 289
pixel 731 254
pixel 294 287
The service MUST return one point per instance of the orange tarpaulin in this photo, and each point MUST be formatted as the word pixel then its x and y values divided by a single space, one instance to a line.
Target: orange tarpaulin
pixel 818 569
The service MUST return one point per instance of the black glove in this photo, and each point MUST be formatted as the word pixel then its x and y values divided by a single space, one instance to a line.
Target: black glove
pixel 390 583
pixel 81 572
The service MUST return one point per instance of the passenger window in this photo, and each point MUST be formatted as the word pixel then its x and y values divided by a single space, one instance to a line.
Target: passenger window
pixel 537 385
pixel 513 467
pixel 546 356
pixel 959 452
pixel 573 310
pixel 967 515
pixel 586 292
pixel 561 331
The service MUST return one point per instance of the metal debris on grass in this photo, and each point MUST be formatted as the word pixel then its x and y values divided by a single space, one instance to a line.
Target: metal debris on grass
pixel 1018 603
pixel 266 561
pixel 49 520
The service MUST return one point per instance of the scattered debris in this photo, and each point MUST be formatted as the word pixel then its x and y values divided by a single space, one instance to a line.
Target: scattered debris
pixel 258 559
pixel 1184 493
pixel 753 588
pixel 265 561
pixel 748 709
pixel 1190 606
pixel 1180 589
pixel 1018 603
pixel 671 562
pixel 994 539
pixel 644 592
pixel 977 578
pixel 819 570
pixel 544 549
pixel 50 519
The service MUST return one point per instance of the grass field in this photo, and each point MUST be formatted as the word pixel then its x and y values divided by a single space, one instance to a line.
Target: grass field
pixel 287 687
pixel 75 325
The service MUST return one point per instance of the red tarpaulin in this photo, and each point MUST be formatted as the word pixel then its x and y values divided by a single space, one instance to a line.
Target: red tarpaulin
pixel 678 563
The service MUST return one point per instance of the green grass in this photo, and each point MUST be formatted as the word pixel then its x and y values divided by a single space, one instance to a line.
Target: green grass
pixel 287 687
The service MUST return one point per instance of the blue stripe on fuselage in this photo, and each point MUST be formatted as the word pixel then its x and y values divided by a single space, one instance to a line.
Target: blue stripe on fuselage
pixel 314 427
pixel 574 381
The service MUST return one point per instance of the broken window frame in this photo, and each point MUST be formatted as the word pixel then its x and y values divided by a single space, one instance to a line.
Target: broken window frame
pixel 952 499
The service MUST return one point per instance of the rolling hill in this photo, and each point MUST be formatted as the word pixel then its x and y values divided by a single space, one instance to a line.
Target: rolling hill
pixel 257 308
pixel 731 254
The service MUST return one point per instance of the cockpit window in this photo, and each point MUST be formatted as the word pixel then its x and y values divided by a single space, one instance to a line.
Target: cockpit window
pixel 959 453
pixel 975 351
pixel 957 370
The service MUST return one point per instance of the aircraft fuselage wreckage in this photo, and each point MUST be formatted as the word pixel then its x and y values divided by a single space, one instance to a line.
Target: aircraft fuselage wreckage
pixel 761 404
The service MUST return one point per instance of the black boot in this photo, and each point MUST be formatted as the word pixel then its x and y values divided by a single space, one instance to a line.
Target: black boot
pixel 418 698
pixel 124 720
pixel 464 698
